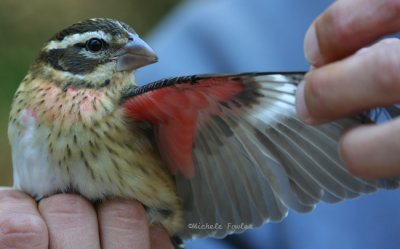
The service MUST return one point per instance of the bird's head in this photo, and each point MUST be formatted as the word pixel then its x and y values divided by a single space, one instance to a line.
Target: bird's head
pixel 93 53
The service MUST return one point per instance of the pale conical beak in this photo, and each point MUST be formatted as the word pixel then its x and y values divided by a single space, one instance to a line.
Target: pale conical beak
pixel 135 54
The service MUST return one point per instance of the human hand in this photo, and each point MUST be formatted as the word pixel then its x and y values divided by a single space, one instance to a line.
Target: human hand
pixel 70 221
pixel 348 77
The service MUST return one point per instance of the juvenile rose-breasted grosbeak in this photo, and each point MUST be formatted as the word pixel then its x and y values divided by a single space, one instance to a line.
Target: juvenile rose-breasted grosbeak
pixel 207 155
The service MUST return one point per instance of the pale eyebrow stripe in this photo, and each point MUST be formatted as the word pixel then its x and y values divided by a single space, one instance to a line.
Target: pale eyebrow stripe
pixel 77 38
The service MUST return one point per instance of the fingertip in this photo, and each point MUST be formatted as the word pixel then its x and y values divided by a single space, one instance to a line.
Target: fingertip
pixel 372 151
pixel 346 145
pixel 301 107
pixel 311 46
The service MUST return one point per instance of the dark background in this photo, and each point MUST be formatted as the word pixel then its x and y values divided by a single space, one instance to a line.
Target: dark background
pixel 26 25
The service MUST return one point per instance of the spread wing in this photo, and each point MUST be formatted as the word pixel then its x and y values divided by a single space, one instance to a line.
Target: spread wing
pixel 239 153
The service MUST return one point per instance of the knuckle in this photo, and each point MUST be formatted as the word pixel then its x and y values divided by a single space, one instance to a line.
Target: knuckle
pixel 386 60
pixel 346 152
pixel 22 231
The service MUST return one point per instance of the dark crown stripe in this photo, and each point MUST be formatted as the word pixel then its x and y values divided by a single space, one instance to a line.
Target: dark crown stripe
pixel 106 25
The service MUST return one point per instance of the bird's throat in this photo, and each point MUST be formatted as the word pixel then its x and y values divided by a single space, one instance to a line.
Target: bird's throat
pixel 74 105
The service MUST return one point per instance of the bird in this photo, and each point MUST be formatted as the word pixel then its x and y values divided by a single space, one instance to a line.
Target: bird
pixel 206 155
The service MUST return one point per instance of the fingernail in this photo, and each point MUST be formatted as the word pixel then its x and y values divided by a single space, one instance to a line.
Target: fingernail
pixel 362 51
pixel 301 108
pixel 311 47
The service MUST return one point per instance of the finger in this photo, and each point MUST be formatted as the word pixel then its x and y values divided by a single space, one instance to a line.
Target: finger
pixel 21 225
pixel 159 238
pixel 123 224
pixel 373 151
pixel 346 26
pixel 367 79
pixel 71 221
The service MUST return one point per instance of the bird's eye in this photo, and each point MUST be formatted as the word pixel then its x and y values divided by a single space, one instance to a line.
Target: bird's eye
pixel 94 44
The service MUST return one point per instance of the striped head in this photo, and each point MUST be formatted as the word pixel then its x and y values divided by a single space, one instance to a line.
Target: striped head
pixel 91 53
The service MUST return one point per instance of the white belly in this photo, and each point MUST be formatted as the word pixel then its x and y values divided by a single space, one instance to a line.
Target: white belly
pixel 41 172
pixel 34 172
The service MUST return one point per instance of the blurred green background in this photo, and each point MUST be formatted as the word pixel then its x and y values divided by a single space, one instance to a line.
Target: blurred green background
pixel 26 25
